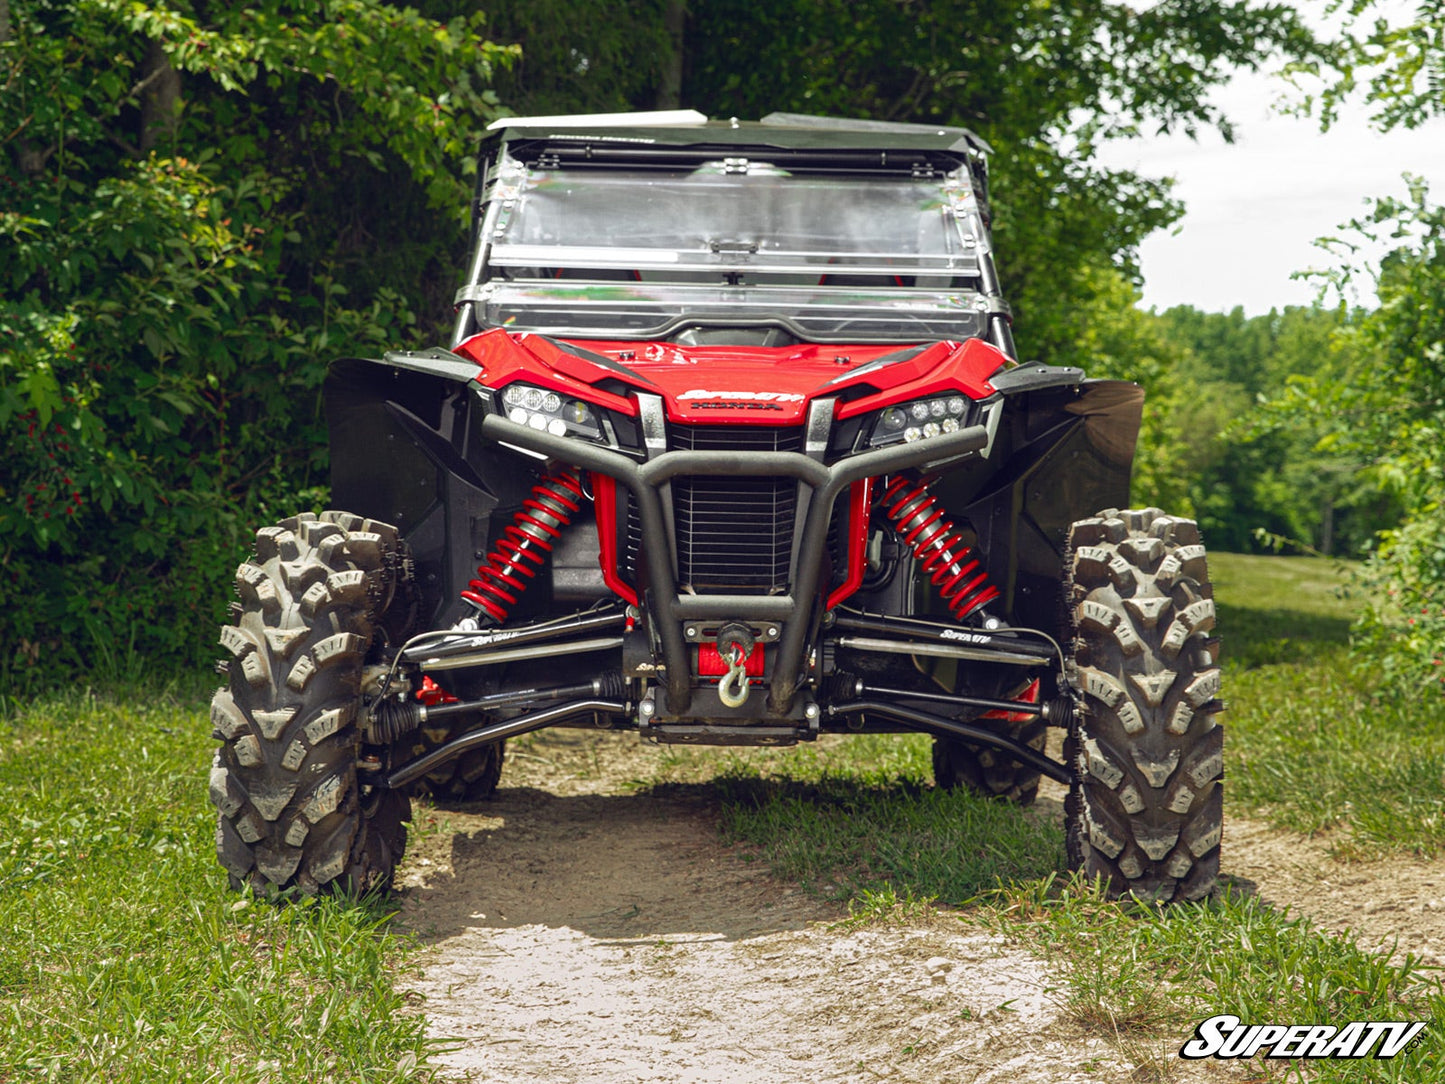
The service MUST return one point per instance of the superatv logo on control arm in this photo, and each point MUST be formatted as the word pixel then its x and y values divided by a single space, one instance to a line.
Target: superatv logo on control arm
pixel 966 637
pixel 1226 1036
pixel 740 400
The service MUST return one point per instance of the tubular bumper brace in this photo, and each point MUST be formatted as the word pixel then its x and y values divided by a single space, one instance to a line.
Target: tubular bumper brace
pixel 795 610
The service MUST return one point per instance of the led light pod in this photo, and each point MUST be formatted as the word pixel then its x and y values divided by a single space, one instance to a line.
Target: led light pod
pixel 920 419
pixel 548 412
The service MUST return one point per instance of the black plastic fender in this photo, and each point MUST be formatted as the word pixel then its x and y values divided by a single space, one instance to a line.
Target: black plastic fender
pixel 1064 450
pixel 406 449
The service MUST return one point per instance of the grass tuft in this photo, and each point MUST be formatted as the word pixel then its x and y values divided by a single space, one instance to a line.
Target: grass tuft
pixel 885 907
pixel 1136 970
pixel 123 955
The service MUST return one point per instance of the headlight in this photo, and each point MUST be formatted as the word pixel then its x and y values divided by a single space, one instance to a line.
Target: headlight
pixel 918 420
pixel 548 412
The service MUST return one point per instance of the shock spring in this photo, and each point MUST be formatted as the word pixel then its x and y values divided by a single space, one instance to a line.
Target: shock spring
pixel 523 547
pixel 960 577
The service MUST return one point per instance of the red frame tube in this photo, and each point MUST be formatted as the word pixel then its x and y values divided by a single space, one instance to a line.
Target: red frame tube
pixel 604 503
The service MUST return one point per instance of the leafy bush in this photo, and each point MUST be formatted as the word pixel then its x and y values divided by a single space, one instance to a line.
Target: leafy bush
pixel 194 227
pixel 1401 633
pixel 1385 405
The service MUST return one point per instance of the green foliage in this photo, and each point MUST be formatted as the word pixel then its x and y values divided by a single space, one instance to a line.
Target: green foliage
pixel 1211 446
pixel 1391 55
pixel 1383 406
pixel 193 204
pixel 1253 475
pixel 604 57
pixel 1386 402
pixel 1402 631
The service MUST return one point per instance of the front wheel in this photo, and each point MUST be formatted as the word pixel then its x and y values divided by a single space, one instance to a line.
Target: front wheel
pixel 295 811
pixel 471 777
pixel 1145 810
pixel 991 772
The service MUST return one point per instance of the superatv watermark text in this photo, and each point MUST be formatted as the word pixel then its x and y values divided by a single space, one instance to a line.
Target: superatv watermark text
pixel 1226 1036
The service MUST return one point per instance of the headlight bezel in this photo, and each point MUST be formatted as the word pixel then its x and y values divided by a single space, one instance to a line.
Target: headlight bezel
pixel 913 420
pixel 553 412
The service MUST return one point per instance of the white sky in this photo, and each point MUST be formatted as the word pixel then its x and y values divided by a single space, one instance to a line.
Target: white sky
pixel 1254 207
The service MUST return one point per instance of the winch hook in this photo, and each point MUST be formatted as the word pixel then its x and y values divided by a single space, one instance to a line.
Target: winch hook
pixel 735 644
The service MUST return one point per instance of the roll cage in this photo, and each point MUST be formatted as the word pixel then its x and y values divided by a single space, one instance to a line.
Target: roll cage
pixel 671 232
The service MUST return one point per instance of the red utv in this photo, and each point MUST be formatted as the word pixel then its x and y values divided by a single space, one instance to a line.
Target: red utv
pixel 730 446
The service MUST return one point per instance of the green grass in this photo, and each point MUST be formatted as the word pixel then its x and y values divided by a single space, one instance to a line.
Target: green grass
pixel 850 818
pixel 845 832
pixel 1145 976
pixel 1276 611
pixel 123 955
pixel 1312 744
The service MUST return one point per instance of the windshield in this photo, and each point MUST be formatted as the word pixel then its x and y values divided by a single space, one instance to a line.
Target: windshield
pixel 642 253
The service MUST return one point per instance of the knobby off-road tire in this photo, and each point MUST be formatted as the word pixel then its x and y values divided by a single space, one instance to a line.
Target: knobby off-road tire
pixel 317 596
pixel 471 777
pixel 1146 806
pixel 991 772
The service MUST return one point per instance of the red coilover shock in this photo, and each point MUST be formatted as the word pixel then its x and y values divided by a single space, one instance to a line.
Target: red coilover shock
pixel 524 545
pixel 959 576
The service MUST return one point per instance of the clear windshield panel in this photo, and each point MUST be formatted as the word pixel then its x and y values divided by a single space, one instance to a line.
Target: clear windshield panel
pixel 734 217
pixel 646 310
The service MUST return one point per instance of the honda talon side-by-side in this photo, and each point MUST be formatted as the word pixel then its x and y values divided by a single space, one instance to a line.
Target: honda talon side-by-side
pixel 730 446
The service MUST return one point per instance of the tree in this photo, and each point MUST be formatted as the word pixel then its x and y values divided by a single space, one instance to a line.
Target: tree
pixel 1387 401
pixel 1397 67
pixel 603 57
pixel 1387 405
pixel 1253 472
pixel 202 205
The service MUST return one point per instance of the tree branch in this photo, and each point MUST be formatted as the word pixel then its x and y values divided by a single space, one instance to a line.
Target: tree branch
pixel 145 84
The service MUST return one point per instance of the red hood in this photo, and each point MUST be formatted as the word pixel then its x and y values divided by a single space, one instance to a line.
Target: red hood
pixel 738 384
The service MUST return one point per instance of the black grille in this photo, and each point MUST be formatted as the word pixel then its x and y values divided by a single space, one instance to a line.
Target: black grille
pixel 735 533
pixel 632 542
pixel 736 438
pixel 837 539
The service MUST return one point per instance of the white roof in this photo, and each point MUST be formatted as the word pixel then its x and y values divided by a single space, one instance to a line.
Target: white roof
pixel 655 119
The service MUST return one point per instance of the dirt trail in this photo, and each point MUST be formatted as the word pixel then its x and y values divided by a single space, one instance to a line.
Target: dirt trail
pixel 1394 905
pixel 585 934
pixel 582 933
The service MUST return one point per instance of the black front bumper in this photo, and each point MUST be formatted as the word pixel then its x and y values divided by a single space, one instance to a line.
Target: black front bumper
pixel 798 610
